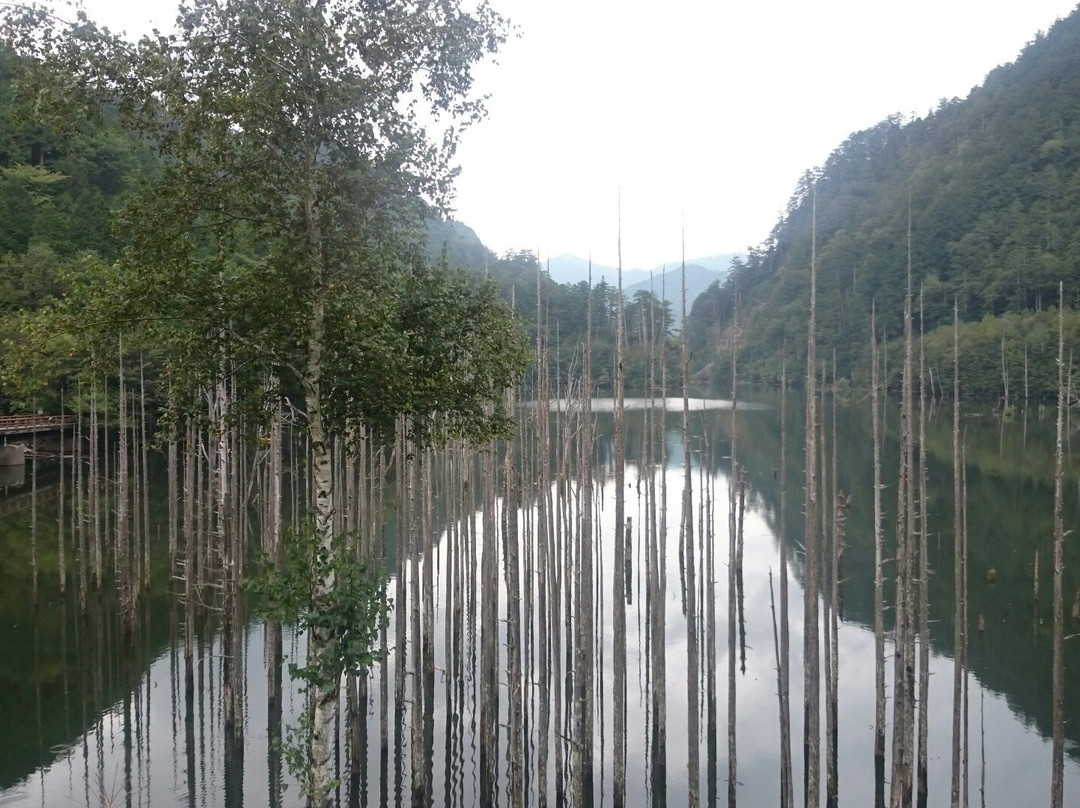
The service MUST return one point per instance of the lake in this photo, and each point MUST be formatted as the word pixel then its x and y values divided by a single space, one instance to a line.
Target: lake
pixel 91 716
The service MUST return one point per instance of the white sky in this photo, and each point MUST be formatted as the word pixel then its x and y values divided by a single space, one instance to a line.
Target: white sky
pixel 700 111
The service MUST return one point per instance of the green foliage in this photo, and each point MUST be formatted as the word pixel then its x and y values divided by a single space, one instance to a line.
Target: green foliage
pixel 991 183
pixel 1020 348
pixel 351 614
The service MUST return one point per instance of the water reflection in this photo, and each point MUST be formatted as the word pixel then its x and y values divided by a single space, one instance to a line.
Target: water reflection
pixel 91 720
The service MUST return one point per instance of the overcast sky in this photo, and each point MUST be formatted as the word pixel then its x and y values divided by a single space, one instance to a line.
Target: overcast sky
pixel 700 111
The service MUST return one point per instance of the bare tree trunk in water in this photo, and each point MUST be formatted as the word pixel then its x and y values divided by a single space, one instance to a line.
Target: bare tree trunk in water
pixel 512 543
pixel 619 577
pixel 787 786
pixel 61 565
pixel 583 696
pixel 686 538
pixel 1057 768
pixel 80 504
pixel 879 598
pixel 734 567
pixel 904 684
pixel 924 580
pixel 191 459
pixel 123 545
pixel 417 554
pixel 95 486
pixel 33 512
pixel 839 513
pixel 811 665
pixel 173 470
pixel 657 526
pixel 145 477
pixel 958 566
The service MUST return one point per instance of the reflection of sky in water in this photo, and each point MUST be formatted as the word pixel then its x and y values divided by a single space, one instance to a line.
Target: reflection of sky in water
pixel 1017 758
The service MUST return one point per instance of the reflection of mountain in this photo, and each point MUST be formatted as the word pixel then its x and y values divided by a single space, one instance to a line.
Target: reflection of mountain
pixel 59 671
pixel 1010 514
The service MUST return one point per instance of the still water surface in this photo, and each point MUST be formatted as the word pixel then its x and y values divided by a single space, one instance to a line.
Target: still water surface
pixel 86 720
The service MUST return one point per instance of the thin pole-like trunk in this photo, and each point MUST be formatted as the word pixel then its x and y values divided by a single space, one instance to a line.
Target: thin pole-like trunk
pixel 686 538
pixel 811 663
pixel 787 786
pixel 619 577
pixel 123 545
pixel 924 580
pixel 60 562
pixel 1057 719
pixel 734 561
pixel 958 581
pixel 904 674
pixel 879 581
pixel 145 477
pixel 33 511
pixel 833 691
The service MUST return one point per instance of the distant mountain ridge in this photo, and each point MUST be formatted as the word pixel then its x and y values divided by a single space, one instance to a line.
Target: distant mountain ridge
pixel 572 269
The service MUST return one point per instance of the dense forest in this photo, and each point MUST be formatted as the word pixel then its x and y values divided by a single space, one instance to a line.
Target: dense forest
pixel 988 186
pixel 63 194
pixel 985 186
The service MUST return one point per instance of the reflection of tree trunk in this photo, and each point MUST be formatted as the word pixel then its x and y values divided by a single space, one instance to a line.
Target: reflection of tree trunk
pixel 516 737
pixel 189 724
pixel 273 713
pixel 489 656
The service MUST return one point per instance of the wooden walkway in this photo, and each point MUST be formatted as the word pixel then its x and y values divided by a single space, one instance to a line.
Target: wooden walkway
pixel 29 424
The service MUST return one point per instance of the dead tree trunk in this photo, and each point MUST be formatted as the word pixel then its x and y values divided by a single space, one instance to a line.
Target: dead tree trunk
pixel 787 786
pixel 879 598
pixel 958 568
pixel 903 683
pixel 811 663
pixel 924 580
pixel 1057 721
pixel 619 578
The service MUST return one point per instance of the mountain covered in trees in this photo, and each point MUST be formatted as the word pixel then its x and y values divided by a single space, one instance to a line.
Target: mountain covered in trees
pixel 987 187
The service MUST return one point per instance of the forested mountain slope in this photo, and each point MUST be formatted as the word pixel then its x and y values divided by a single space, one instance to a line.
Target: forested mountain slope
pixel 991 184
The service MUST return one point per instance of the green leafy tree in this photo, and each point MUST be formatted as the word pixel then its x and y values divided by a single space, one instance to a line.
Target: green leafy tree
pixel 298 140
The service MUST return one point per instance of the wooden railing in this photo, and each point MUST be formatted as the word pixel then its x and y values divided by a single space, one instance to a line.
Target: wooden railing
pixel 27 424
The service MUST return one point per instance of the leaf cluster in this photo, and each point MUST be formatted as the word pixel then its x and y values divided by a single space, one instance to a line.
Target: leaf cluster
pixel 349 613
